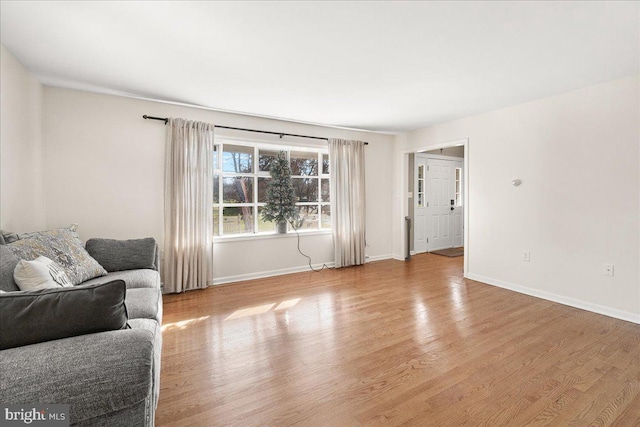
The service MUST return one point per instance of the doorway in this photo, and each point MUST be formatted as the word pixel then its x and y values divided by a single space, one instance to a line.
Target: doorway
pixel 436 202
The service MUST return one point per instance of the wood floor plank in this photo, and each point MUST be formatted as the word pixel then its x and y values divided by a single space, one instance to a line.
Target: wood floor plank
pixel 391 343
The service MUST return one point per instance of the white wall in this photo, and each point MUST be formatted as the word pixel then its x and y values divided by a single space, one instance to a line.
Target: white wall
pixel 105 172
pixel 578 156
pixel 22 202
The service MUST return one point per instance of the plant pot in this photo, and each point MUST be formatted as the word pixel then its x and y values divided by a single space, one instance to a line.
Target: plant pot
pixel 281 227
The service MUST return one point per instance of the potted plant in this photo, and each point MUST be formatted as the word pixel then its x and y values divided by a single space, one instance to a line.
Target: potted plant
pixel 281 198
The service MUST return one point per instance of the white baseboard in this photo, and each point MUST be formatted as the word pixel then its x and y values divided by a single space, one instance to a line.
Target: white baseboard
pixel 280 272
pixel 264 274
pixel 549 296
pixel 377 258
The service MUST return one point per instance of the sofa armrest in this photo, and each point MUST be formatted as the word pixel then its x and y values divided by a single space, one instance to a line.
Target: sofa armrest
pixel 95 374
pixel 120 255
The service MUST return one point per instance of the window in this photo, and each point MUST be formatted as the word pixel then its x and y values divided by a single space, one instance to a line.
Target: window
pixel 241 180
pixel 420 190
pixel 458 187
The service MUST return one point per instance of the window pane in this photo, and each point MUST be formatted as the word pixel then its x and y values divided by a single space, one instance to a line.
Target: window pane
pixel 326 217
pixel 303 163
pixel 308 218
pixel 265 159
pixel 265 225
pixel 216 221
pixel 325 164
pixel 306 189
pixel 237 220
pixel 263 185
pixel 237 189
pixel 216 189
pixel 324 190
pixel 215 156
pixel 238 159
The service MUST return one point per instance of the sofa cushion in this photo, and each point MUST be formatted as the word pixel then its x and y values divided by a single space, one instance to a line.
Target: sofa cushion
pixel 118 255
pixel 41 273
pixel 133 278
pixel 8 262
pixel 62 246
pixel 51 314
pixel 144 303
pixel 96 374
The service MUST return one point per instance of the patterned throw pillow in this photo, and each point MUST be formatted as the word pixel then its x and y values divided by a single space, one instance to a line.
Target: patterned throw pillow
pixel 41 273
pixel 72 230
pixel 63 247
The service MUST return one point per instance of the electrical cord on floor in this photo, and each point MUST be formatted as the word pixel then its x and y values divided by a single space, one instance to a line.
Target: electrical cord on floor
pixel 307 256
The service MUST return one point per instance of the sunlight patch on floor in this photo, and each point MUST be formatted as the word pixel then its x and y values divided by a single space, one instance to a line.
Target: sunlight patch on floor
pixel 251 311
pixel 261 309
pixel 183 323
pixel 287 304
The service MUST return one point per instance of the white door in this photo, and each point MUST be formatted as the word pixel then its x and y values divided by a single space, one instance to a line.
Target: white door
pixel 419 206
pixel 439 205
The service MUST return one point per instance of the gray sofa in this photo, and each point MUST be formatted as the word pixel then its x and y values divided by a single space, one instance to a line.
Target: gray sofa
pixel 108 378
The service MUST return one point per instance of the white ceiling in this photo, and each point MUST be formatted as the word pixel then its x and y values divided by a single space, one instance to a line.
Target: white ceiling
pixel 384 66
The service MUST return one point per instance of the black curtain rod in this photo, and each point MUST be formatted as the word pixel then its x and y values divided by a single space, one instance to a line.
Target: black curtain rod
pixel 281 134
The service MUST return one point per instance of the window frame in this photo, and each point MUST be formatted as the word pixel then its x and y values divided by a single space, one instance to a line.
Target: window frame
pixel 321 153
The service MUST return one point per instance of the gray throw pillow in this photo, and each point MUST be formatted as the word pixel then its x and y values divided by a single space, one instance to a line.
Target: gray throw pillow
pixel 51 314
pixel 120 255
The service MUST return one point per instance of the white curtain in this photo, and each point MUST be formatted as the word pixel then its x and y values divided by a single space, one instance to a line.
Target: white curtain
pixel 188 206
pixel 346 171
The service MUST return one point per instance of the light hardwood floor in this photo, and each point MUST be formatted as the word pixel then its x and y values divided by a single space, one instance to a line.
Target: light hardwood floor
pixel 392 343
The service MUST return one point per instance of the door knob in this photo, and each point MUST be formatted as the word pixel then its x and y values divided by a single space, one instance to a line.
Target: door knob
pixel 452 208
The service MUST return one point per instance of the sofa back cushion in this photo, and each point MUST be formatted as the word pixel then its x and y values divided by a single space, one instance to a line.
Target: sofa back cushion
pixel 8 262
pixel 120 255
pixel 50 314
pixel 8 237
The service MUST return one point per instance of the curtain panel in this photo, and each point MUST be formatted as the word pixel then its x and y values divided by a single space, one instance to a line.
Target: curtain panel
pixel 346 171
pixel 188 206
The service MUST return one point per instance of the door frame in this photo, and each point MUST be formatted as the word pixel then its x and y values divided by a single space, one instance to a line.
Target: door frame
pixel 404 207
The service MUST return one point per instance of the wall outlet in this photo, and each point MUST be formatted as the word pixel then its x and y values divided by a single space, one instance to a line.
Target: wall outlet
pixel 526 256
pixel 607 269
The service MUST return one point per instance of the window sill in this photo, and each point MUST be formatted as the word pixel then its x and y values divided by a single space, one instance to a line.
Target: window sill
pixel 267 235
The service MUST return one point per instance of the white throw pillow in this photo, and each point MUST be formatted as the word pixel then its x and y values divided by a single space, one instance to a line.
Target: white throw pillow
pixel 41 273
